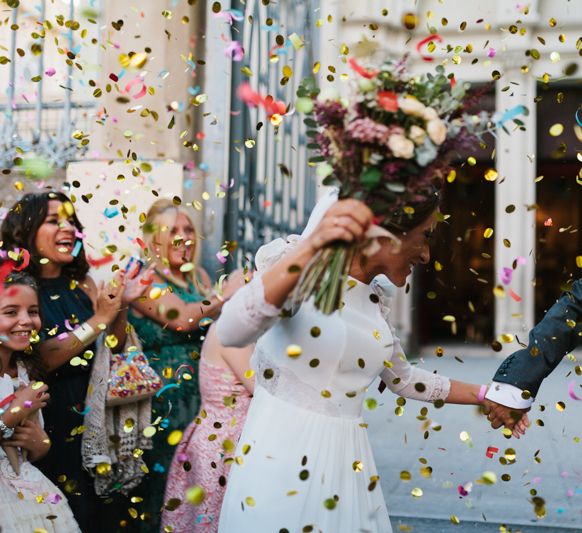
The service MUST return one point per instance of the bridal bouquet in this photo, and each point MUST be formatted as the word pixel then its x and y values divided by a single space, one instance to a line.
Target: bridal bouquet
pixel 389 145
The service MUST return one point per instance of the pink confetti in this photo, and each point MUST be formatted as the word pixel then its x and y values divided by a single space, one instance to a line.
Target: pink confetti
pixel 506 275
pixel 515 296
pixel 79 234
pixel 491 52
pixel 54 498
pixel 548 222
pixel 28 404
pixel 234 50
pixel 490 451
pixel 64 335
pixel 221 257
pixel 537 480
pixel 50 71
pixel 136 81
pixel 571 392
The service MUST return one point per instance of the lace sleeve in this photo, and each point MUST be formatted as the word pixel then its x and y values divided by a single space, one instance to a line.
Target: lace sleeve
pixel 411 382
pixel 247 315
pixel 400 376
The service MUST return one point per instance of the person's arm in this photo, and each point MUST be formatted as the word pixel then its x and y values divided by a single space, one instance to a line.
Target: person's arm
pixel 172 312
pixel 31 437
pixel 238 360
pixel 57 351
pixel 26 400
pixel 255 308
pixel 550 340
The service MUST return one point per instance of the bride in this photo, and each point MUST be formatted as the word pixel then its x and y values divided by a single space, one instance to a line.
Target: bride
pixel 303 461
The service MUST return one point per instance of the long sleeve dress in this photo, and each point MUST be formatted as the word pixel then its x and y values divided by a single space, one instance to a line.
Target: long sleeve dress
pixel 304 462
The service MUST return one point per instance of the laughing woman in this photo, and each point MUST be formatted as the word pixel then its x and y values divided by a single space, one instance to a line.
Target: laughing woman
pixel 73 310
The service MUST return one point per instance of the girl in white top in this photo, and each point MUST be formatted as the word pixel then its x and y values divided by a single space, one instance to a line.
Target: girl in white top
pixel 303 461
pixel 28 500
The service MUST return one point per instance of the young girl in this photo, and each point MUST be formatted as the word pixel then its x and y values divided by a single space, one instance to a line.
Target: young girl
pixel 204 456
pixel 28 500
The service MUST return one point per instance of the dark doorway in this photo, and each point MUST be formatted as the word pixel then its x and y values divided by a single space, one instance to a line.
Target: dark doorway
pixel 559 193
pixel 459 280
pixel 462 288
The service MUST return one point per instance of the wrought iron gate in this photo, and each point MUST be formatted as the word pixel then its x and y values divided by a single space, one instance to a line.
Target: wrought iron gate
pixel 274 187
pixel 39 113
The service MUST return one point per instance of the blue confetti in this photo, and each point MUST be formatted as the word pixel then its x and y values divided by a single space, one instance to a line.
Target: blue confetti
pixel 77 248
pixel 111 212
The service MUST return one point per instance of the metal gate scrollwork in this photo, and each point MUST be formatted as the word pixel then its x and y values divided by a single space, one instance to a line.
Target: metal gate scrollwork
pixel 274 187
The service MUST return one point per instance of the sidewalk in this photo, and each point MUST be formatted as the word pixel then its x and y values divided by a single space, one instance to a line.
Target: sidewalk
pixel 556 476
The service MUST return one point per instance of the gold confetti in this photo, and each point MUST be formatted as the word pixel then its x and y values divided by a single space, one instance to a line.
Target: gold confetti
pixel 488 233
pixel 149 432
pixel 174 437
pixel 155 293
pixel 294 351
pixel 556 130
pixel 195 495
pixel 491 174
pixel 111 341
pixel 416 492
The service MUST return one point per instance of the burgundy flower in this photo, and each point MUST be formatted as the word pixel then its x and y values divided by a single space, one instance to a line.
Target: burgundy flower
pixel 330 113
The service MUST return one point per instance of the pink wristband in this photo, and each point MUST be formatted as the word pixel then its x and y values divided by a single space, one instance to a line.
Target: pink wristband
pixel 482 392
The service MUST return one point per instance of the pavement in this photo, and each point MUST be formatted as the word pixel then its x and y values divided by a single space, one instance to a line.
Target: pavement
pixel 546 463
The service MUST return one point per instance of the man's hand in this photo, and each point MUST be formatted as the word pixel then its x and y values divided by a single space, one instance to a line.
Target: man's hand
pixel 501 415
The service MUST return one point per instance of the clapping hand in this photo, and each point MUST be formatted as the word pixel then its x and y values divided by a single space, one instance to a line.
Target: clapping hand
pixel 501 415
pixel 134 288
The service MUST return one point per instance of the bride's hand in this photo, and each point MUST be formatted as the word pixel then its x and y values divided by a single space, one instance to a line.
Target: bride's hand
pixel 346 220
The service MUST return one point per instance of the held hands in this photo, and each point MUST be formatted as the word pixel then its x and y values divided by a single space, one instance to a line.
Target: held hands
pixel 500 415
pixel 31 437
pixel 346 220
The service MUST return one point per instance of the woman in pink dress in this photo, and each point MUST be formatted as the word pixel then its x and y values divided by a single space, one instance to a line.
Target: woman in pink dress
pixel 198 473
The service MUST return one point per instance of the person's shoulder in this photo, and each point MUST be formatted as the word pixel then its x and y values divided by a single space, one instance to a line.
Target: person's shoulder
pixel 577 289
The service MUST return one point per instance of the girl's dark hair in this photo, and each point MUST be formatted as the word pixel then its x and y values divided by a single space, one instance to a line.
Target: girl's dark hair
pixel 401 222
pixel 21 224
pixel 31 360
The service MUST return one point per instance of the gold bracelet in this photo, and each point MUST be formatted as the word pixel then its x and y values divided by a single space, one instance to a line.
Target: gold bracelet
pixel 86 334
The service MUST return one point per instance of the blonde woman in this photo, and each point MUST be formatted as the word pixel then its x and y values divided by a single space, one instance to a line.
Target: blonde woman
pixel 168 325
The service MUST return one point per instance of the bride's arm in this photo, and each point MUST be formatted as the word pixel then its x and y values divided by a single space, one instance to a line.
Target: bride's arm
pixel 256 307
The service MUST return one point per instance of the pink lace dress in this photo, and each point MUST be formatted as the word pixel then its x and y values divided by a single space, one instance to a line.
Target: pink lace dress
pixel 206 451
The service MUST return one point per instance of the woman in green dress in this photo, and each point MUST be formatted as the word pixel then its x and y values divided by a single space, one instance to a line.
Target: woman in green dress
pixel 168 323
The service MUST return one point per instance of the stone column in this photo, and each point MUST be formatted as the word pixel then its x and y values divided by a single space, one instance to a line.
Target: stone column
pixel 216 126
pixel 515 232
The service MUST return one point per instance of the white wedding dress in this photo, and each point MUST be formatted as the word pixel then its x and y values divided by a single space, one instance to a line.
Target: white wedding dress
pixel 304 459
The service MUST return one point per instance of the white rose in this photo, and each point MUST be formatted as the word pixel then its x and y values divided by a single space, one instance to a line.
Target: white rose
pixel 437 131
pixel 411 106
pixel 417 135
pixel 429 113
pixel 400 146
pixel 328 93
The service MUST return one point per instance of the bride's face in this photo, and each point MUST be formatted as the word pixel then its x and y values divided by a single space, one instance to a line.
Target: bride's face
pixel 397 262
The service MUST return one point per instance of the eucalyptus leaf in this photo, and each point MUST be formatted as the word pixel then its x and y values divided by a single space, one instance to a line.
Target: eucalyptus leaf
pixel 370 177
